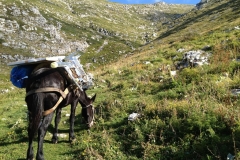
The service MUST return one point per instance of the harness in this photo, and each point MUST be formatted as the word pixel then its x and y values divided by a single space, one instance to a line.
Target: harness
pixel 63 96
pixel 51 89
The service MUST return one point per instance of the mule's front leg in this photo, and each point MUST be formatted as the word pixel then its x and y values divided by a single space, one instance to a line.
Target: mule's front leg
pixel 41 134
pixel 72 119
pixel 57 120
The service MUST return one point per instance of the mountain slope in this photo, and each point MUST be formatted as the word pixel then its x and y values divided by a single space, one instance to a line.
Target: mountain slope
pixel 216 15
pixel 40 28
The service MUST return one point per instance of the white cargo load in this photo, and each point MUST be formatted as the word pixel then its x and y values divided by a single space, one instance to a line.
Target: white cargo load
pixel 70 63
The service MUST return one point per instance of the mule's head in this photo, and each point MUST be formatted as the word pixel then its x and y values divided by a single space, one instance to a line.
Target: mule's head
pixel 88 110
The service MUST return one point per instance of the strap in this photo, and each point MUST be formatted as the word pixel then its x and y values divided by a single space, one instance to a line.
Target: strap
pixel 66 91
pixel 47 89
pixel 51 89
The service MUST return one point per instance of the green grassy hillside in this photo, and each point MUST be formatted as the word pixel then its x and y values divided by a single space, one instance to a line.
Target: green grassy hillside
pixel 192 115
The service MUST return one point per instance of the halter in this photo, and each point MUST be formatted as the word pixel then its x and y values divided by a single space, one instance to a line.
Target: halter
pixel 88 106
pixel 92 112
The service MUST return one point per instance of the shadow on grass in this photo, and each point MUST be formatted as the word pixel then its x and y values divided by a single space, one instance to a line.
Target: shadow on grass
pixel 21 140
pixel 6 140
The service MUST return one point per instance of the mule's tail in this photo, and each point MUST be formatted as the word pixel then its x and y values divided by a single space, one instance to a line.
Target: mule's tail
pixel 35 109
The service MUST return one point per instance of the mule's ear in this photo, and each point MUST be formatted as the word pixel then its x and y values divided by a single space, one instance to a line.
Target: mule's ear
pixel 93 97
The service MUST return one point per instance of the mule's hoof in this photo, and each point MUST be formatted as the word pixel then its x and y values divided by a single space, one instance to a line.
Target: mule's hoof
pixel 72 140
pixel 54 140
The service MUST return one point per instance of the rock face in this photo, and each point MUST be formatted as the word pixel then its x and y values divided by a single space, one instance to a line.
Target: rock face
pixel 32 32
pixel 202 3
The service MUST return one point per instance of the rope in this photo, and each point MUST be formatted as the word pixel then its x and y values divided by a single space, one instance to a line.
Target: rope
pixel 66 91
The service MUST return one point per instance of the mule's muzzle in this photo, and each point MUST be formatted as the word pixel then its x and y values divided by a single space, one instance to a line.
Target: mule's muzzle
pixel 90 124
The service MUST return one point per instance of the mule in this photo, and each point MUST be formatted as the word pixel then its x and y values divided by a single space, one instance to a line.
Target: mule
pixel 44 89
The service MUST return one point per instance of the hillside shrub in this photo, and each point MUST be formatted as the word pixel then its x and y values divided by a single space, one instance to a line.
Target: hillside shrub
pixel 177 93
pixel 118 87
pixel 220 59
pixel 234 68
pixel 190 36
pixel 188 75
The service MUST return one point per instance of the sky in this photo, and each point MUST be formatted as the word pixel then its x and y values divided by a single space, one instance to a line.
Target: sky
pixel 194 2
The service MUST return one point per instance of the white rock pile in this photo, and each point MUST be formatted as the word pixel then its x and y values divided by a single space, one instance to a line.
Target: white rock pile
pixel 193 59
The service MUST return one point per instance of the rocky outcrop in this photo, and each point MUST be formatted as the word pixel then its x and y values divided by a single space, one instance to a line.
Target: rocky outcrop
pixel 193 59
pixel 202 3
pixel 28 29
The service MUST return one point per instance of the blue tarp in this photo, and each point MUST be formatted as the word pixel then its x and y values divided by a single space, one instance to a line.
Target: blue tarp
pixel 19 75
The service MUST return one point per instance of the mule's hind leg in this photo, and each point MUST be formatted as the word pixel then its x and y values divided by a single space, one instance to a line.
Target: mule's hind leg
pixel 57 120
pixel 41 134
pixel 30 142
pixel 72 119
